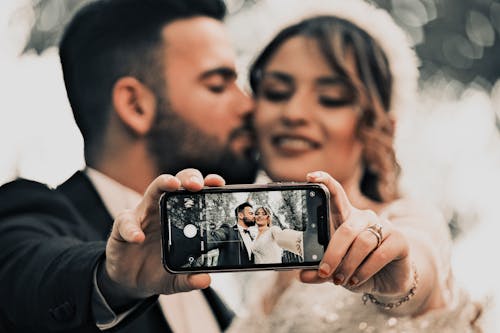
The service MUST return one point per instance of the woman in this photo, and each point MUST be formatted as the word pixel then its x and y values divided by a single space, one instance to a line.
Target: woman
pixel 271 239
pixel 327 91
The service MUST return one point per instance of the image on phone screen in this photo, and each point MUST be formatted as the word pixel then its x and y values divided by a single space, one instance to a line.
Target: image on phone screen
pixel 244 229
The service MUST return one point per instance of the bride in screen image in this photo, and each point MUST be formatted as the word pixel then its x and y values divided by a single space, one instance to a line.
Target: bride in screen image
pixel 271 240
pixel 329 88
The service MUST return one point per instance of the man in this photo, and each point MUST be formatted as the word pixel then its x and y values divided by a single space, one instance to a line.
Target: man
pixel 234 243
pixel 152 88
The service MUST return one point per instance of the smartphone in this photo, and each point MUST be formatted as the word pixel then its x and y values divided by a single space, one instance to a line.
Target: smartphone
pixel 245 227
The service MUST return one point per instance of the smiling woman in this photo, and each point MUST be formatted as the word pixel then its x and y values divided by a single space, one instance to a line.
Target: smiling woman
pixel 328 88
pixel 344 99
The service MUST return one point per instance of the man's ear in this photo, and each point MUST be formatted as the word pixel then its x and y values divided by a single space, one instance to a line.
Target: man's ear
pixel 135 104
pixel 393 121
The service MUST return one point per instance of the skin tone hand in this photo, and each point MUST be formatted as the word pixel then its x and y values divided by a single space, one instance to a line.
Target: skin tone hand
pixel 132 269
pixel 354 260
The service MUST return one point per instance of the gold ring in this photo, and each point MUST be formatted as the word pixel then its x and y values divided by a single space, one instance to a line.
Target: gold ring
pixel 376 230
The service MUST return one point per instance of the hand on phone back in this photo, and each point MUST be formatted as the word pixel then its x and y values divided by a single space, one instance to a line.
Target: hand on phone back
pixel 133 264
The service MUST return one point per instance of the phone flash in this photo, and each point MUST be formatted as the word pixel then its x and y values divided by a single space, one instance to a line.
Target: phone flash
pixel 312 194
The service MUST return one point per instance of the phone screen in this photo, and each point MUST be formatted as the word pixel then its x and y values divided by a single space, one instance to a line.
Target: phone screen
pixel 230 228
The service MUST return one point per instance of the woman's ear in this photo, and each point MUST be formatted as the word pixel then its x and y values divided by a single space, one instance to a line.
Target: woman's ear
pixel 134 104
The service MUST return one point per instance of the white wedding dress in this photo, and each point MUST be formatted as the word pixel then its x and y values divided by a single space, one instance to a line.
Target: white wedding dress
pixel 305 308
pixel 268 247
pixel 317 308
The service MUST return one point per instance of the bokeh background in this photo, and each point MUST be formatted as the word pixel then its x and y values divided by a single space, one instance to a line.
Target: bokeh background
pixel 449 148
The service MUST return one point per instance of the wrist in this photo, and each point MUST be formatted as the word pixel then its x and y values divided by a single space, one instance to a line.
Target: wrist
pixel 389 303
pixel 118 297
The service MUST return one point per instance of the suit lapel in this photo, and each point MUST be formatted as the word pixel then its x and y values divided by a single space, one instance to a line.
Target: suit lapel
pixel 82 194
pixel 243 247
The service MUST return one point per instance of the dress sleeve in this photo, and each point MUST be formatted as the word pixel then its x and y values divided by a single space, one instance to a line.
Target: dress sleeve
pixel 288 239
pixel 421 217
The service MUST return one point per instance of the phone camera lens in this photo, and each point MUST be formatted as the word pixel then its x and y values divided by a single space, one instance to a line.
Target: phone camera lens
pixel 312 194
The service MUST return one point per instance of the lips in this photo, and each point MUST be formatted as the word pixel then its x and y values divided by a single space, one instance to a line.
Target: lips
pixel 243 142
pixel 294 144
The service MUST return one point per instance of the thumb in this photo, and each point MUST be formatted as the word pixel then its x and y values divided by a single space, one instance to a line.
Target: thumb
pixel 187 282
pixel 341 206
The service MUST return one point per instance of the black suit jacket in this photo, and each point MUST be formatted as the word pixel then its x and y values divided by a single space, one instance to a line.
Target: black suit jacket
pixel 232 249
pixel 50 243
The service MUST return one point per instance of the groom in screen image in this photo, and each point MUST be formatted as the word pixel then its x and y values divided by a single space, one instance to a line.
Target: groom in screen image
pixel 234 242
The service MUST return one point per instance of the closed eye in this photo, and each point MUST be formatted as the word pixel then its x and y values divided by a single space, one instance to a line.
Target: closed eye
pixel 217 89
pixel 334 102
pixel 276 96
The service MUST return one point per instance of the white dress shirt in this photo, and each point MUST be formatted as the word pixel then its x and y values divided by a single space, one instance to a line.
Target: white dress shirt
pixel 247 240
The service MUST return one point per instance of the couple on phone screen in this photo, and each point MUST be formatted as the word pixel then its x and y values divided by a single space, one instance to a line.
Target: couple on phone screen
pixel 241 245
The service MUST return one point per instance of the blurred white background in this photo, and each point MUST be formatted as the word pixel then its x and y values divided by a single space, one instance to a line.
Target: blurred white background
pixel 449 148
pixel 38 137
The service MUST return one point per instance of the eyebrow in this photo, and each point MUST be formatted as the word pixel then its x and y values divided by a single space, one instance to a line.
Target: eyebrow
pixel 321 81
pixel 332 81
pixel 226 72
pixel 280 76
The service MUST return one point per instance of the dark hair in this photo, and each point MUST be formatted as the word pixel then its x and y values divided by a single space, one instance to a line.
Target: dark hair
pixel 372 83
pixel 240 208
pixel 109 39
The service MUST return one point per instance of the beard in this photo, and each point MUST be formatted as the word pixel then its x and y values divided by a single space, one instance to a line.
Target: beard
pixel 248 222
pixel 176 145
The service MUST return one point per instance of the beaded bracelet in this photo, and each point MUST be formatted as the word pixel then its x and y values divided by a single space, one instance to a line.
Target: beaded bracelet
pixel 388 306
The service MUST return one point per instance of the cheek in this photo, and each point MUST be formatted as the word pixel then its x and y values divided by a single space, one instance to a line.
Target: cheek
pixel 265 113
pixel 340 128
pixel 342 146
pixel 203 109
pixel 266 116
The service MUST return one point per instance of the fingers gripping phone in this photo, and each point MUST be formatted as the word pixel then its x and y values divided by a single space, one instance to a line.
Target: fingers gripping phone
pixel 245 227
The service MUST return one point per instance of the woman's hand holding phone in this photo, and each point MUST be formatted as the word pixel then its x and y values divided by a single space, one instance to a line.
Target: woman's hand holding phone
pixel 366 253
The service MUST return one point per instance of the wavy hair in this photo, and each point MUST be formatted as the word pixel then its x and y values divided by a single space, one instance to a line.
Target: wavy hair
pixel 372 82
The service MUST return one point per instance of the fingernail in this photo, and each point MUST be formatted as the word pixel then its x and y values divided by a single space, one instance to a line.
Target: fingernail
pixel 354 281
pixel 338 278
pixel 196 180
pixel 324 270
pixel 316 174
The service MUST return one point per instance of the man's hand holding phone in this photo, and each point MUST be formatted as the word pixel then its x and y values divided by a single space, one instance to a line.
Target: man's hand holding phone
pixel 132 268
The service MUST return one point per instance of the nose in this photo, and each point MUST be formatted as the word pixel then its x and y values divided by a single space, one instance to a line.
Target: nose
pixel 297 110
pixel 245 103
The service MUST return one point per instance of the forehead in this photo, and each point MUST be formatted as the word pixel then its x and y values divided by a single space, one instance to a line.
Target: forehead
pixel 301 57
pixel 248 209
pixel 197 44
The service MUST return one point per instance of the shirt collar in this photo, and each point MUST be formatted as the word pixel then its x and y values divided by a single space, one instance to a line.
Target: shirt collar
pixel 115 196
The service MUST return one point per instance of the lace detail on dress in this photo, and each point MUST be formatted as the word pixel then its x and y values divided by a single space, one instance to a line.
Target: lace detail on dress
pixel 305 308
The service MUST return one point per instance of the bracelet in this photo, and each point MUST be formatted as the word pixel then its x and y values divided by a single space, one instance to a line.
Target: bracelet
pixel 388 306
